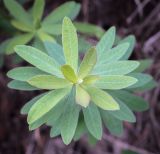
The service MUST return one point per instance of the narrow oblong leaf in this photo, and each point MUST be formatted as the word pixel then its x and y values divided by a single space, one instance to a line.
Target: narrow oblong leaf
pixel 69 9
pixel 87 63
pixel 144 64
pixel 131 40
pixel 92 120
pixel 48 82
pixel 69 73
pixel 69 119
pixel 89 29
pixel 115 82
pixel 38 8
pixel 25 109
pixel 134 102
pixel 20 85
pixel 105 43
pixel 114 125
pixel 52 29
pixel 45 104
pixel 116 68
pixel 38 59
pixel 82 97
pixel 24 73
pixel 45 37
pixel 124 113
pixel 56 51
pixel 18 40
pixel 70 43
pixel 102 99
pixel 17 11
pixel 90 79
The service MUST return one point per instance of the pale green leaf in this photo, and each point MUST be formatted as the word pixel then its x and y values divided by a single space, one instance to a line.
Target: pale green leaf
pixel 69 9
pixel 69 73
pixel 87 63
pixel 55 130
pixel 105 43
pixel 142 80
pixel 131 40
pixel 102 99
pixel 25 109
pixel 37 43
pixel 48 82
pixel 20 85
pixel 45 104
pixel 21 26
pixel 38 8
pixel 115 82
pixel 144 64
pixel 124 113
pixel 114 125
pixel 82 97
pixel 45 37
pixel 83 45
pixel 93 121
pixel 38 59
pixel 90 79
pixel 52 29
pixel 17 11
pixel 18 40
pixel 89 29
pixel 24 73
pixel 116 68
pixel 56 51
pixel 69 119
pixel 70 43
pixel 134 102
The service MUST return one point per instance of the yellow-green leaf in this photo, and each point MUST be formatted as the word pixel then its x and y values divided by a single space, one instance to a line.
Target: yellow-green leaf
pixel 87 63
pixel 82 96
pixel 45 104
pixel 48 82
pixel 102 99
pixel 90 79
pixel 70 43
pixel 69 73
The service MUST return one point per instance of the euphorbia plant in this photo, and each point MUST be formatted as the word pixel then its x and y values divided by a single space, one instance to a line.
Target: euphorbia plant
pixel 81 96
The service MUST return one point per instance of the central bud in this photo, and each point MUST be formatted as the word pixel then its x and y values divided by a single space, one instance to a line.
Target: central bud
pixel 79 81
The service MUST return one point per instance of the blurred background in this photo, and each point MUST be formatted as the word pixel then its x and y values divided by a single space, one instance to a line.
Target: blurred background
pixel 138 17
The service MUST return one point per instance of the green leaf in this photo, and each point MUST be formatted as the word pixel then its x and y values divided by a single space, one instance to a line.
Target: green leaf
pixel 17 11
pixel 89 29
pixel 70 43
pixel 45 37
pixel 48 82
pixel 83 44
pixel 131 40
pixel 114 54
pixel 90 79
pixel 54 114
pixel 144 64
pixel 124 113
pixel 115 82
pixel 134 102
pixel 114 125
pixel 20 85
pixel 69 119
pixel 102 99
pixel 105 43
pixel 24 73
pixel 55 130
pixel 45 104
pixel 37 43
pixel 116 68
pixel 87 63
pixel 21 26
pixel 93 121
pixel 38 59
pixel 38 8
pixel 52 29
pixel 25 109
pixel 18 40
pixel 56 51
pixel 69 9
pixel 69 73
pixel 82 97
pixel 142 80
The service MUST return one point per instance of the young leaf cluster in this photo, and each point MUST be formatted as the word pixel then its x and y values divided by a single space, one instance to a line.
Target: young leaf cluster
pixel 33 29
pixel 81 97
